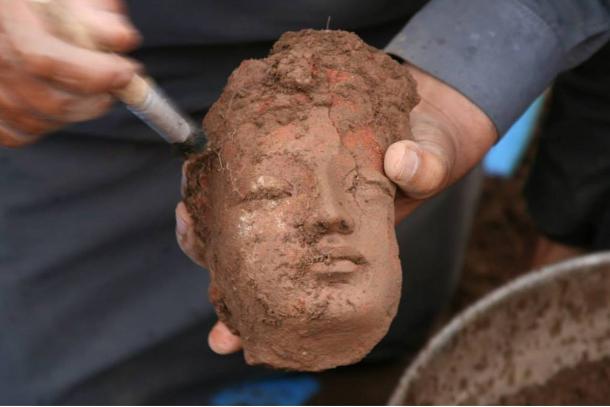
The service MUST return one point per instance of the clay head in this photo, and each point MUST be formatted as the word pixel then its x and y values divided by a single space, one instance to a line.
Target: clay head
pixel 290 202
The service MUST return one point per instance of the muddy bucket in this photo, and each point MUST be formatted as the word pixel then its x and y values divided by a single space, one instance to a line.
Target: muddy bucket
pixel 520 336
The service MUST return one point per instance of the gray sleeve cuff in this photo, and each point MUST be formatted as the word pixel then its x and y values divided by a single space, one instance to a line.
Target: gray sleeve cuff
pixel 499 54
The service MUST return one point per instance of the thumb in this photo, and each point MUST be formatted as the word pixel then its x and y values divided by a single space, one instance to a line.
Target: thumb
pixel 222 341
pixel 418 170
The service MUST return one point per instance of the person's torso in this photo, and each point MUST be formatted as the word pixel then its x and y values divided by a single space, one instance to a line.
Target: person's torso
pixel 89 269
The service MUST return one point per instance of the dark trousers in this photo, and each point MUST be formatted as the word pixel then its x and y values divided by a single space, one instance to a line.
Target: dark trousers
pixel 568 191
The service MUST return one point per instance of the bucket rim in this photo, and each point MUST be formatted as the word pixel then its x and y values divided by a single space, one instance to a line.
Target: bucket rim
pixel 534 278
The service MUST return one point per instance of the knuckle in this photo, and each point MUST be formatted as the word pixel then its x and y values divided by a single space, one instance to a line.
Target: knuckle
pixel 126 39
pixel 38 64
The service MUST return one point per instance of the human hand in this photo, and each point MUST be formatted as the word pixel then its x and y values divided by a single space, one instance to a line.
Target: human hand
pixel 450 135
pixel 45 81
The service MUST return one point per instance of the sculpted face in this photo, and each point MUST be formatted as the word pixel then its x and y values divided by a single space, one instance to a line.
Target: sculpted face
pixel 297 220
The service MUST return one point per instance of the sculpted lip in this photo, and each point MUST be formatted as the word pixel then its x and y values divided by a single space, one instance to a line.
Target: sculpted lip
pixel 343 259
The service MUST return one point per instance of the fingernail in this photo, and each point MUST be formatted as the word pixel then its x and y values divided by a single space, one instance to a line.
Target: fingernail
pixel 181 226
pixel 408 164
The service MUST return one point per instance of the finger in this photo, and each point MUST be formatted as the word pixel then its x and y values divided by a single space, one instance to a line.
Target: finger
pixel 45 100
pixel 419 172
pixel 116 6
pixel 20 118
pixel 107 24
pixel 12 138
pixel 185 235
pixel 42 54
pixel 222 341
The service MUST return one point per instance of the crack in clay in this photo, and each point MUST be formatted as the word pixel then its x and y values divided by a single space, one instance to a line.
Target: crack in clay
pixel 356 167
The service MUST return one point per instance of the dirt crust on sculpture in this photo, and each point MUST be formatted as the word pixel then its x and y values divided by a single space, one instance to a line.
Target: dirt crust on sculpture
pixel 294 214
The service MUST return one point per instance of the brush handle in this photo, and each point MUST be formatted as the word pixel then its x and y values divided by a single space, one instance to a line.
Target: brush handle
pixel 141 95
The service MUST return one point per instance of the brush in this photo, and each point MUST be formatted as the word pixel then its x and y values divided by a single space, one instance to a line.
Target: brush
pixel 141 95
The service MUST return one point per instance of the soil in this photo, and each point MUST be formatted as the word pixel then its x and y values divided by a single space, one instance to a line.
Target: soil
pixel 502 240
pixel 294 215
pixel 584 384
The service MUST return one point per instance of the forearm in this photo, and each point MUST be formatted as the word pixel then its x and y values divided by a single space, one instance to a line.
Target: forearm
pixel 502 54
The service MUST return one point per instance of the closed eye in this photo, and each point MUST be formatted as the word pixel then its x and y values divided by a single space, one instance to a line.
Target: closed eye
pixel 267 187
pixel 378 181
pixel 383 185
pixel 266 194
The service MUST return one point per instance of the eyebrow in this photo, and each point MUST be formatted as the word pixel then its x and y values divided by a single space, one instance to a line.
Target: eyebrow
pixel 378 179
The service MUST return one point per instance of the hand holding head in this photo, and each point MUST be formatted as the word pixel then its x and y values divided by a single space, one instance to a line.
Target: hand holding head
pixel 450 135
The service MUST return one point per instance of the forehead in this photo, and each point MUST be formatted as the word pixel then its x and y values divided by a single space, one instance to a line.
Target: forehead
pixel 315 139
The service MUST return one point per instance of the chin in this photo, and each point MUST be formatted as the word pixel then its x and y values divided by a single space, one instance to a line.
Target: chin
pixel 317 344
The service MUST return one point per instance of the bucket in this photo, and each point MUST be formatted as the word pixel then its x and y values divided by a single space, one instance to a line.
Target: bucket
pixel 519 336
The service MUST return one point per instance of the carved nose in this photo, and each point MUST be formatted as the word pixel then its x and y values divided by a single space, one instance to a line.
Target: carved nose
pixel 330 217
